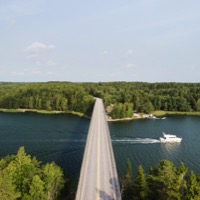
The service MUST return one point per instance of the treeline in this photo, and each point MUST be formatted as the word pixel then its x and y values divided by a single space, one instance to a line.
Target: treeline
pixel 23 177
pixel 121 96
pixel 147 97
pixel 163 182
pixel 46 96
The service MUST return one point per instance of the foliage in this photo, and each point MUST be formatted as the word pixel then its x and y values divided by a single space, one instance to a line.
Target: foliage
pixel 46 96
pixel 125 96
pixel 192 189
pixel 127 183
pixel 162 182
pixel 22 177
pixel 140 185
pixel 122 110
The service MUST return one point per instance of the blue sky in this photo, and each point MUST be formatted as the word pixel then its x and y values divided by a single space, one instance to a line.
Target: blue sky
pixel 100 40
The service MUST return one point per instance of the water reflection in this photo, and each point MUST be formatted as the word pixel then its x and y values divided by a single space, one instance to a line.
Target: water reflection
pixel 170 149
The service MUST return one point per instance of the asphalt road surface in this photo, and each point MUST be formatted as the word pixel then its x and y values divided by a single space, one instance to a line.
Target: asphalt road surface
pixel 98 178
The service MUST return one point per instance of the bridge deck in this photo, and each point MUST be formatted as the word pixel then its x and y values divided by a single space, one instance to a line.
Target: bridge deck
pixel 98 179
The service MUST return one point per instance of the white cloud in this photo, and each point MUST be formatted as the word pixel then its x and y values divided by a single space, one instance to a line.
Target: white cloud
pixel 37 47
pixel 130 65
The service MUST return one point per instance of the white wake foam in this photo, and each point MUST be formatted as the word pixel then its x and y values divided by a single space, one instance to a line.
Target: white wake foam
pixel 136 140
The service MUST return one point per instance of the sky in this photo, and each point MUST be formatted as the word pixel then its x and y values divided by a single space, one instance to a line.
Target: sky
pixel 100 40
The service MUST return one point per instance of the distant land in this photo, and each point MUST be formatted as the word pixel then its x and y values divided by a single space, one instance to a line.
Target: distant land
pixel 121 99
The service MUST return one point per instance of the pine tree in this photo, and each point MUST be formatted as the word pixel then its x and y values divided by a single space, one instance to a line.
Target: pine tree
pixel 127 183
pixel 7 188
pixel 21 177
pixel 53 179
pixel 23 170
pixel 162 182
pixel 192 189
pixel 181 172
pixel 140 185
pixel 37 189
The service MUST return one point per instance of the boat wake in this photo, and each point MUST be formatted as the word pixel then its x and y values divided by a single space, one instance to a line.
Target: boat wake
pixel 136 140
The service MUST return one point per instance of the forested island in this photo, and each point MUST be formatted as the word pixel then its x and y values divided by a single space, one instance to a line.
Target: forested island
pixel 120 98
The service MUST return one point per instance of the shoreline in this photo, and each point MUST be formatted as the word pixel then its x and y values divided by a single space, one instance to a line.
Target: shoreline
pixel 158 114
pixel 123 119
pixel 21 110
pixel 137 116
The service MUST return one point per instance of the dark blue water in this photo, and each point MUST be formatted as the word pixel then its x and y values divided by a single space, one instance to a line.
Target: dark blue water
pixel 61 138
pixel 138 141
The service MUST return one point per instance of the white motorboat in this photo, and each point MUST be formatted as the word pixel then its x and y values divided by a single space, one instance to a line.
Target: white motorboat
pixel 169 138
pixel 154 117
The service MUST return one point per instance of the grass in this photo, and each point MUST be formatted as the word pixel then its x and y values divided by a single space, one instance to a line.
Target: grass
pixel 10 110
pixel 159 113
pixel 41 111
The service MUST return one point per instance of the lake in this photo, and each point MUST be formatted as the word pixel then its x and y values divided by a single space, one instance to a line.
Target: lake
pixel 61 138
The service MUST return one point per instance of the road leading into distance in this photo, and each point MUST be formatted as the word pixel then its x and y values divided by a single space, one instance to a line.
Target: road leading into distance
pixel 98 178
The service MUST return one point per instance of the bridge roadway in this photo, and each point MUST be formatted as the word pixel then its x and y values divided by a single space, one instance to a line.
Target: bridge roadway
pixel 98 178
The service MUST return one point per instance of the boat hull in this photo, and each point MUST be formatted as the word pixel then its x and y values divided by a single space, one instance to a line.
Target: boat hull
pixel 177 140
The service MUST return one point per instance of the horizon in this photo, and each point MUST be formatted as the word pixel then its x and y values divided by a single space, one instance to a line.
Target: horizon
pixel 61 81
pixel 146 41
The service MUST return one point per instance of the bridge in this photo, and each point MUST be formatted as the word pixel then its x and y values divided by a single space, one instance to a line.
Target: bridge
pixel 98 178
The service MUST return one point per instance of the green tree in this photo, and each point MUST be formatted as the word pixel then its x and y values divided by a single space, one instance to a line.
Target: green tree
pixel 192 189
pixel 148 107
pixel 7 188
pixel 22 170
pixel 127 183
pixel 63 104
pixel 37 189
pixel 122 110
pixel 31 103
pixel 136 101
pixel 48 105
pixel 183 105
pixel 198 105
pixel 128 109
pixel 21 177
pixel 140 185
pixel 53 179
pixel 181 173
pixel 162 182
pixel 157 102
pixel 115 113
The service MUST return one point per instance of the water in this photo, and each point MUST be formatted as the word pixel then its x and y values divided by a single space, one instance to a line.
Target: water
pixel 61 138
pixel 138 141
